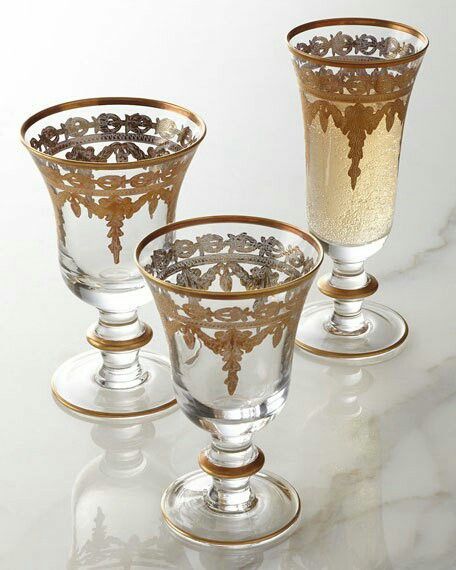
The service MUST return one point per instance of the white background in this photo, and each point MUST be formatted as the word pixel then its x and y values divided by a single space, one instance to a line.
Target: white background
pixel 227 61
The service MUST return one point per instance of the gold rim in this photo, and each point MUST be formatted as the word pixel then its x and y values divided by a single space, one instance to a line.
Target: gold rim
pixel 254 220
pixel 112 415
pixel 342 356
pixel 334 62
pixel 258 540
pixel 81 103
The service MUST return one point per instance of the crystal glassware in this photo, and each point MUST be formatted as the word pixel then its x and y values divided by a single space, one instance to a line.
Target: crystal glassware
pixel 230 290
pixel 113 167
pixel 355 77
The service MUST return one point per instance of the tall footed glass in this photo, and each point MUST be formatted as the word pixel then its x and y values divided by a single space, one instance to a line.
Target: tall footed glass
pixel 230 290
pixel 113 167
pixel 355 77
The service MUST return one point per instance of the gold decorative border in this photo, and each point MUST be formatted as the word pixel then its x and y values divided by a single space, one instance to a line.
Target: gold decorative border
pixel 254 220
pixel 335 62
pixel 91 102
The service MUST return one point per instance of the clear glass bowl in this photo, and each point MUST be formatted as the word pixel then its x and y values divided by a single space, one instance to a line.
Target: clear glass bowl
pixel 113 167
pixel 230 290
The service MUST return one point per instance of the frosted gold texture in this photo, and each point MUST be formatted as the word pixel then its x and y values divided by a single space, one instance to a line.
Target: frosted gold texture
pixel 337 212
pixel 355 78
pixel 355 87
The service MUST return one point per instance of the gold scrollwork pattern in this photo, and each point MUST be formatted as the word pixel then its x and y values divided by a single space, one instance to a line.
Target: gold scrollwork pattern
pixel 231 331
pixel 356 99
pixel 122 133
pixel 341 45
pixel 117 196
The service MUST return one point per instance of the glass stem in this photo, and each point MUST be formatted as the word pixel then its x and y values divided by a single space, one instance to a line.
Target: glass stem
pixel 119 336
pixel 347 318
pixel 231 493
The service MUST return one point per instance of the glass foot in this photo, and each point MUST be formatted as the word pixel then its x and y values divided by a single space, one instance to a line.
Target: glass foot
pixel 273 518
pixel 383 340
pixel 74 386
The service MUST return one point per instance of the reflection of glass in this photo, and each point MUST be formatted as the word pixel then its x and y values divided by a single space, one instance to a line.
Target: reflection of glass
pixel 355 77
pixel 345 531
pixel 230 290
pixel 208 558
pixel 346 386
pixel 115 502
pixel 113 167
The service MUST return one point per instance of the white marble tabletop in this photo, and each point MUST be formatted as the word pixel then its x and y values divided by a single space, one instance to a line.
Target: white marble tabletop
pixel 370 450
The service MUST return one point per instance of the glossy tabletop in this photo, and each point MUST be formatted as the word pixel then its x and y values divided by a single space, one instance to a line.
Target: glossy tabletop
pixel 370 450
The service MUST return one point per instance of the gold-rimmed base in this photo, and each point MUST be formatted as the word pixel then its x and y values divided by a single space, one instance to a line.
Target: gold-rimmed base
pixel 384 339
pixel 73 386
pixel 274 517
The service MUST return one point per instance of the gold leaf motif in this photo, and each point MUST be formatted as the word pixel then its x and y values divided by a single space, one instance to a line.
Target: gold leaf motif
pixel 356 122
pixel 112 197
pixel 237 330
pixel 277 336
pixel 356 99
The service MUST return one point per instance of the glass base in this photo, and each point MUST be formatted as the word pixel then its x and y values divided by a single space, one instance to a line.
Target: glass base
pixel 383 340
pixel 273 518
pixel 74 386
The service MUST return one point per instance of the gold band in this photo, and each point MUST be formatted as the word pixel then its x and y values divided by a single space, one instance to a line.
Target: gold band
pixel 334 62
pixel 329 290
pixel 112 415
pixel 203 540
pixel 231 472
pixel 120 345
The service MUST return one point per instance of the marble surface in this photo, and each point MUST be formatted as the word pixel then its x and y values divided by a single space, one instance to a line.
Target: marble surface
pixel 371 451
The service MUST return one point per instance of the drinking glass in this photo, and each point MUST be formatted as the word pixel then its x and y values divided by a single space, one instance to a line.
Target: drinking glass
pixel 113 167
pixel 230 290
pixel 355 77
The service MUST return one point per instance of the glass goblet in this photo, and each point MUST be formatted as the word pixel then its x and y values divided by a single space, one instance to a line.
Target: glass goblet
pixel 230 290
pixel 355 77
pixel 113 167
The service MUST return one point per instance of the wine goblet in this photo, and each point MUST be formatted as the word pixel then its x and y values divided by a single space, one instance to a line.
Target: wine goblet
pixel 230 290
pixel 355 77
pixel 113 167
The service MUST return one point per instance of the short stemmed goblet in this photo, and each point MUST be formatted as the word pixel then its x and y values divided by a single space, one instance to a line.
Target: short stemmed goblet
pixel 113 167
pixel 230 290
pixel 355 77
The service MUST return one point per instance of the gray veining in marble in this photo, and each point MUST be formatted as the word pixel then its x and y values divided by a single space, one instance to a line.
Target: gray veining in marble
pixel 370 450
